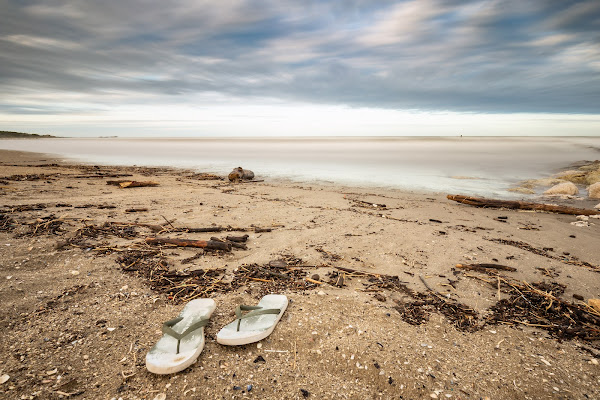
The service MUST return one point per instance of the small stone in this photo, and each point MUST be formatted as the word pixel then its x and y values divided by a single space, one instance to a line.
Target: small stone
pixel 556 389
pixel 583 217
pixel 259 359
pixel 433 396
pixel 580 224
pixel 594 361
pixel 315 277
pixel 594 191
pixel 4 378
pixel 259 345
pixel 160 396
pixel 567 188
pixel 305 393
pixel 321 293
pixel 74 272
pixel 110 329
pixel 546 362
pixel 237 388
pixel 249 388
pixel 52 372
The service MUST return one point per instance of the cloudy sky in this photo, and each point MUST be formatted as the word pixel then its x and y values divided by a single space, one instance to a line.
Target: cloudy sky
pixel 280 67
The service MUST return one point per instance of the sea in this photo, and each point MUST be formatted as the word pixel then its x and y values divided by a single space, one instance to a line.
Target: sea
pixel 484 166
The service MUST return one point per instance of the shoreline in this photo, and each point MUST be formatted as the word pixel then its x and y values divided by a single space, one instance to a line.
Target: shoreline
pixel 67 289
pixel 493 169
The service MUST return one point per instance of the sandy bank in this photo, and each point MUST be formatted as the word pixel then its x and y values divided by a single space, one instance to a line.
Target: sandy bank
pixel 63 289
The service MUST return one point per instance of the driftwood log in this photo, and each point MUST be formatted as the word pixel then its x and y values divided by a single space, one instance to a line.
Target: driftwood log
pixel 131 184
pixel 237 245
pixel 204 244
pixel 520 205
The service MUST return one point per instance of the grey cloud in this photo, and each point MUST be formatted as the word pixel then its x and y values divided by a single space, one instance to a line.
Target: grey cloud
pixel 464 56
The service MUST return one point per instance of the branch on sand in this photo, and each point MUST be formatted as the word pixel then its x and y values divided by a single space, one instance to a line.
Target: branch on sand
pixel 520 205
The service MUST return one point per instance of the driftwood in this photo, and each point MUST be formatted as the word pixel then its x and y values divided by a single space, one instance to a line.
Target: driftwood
pixel 131 184
pixel 520 205
pixel 237 245
pixel 485 267
pixel 213 229
pixel 237 238
pixel 205 244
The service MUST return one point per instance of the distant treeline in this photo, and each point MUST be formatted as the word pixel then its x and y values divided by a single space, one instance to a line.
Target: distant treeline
pixel 13 135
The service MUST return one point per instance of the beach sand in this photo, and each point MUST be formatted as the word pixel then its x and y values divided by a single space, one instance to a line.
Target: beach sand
pixel 74 324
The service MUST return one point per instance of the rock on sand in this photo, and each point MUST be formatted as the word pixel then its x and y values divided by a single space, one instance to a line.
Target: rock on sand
pixel 594 191
pixel 568 188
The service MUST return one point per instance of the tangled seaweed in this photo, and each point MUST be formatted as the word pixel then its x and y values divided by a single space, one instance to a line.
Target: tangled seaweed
pixel 6 223
pixel 178 286
pixel 539 305
pixel 49 225
pixel 416 312
pixel 272 278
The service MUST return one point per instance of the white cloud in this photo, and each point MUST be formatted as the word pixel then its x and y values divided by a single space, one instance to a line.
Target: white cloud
pixel 40 42
pixel 403 23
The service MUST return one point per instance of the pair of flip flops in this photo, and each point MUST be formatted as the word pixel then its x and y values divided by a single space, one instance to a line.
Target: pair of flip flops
pixel 183 337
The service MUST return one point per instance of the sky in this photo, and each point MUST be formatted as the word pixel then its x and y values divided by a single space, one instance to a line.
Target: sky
pixel 314 68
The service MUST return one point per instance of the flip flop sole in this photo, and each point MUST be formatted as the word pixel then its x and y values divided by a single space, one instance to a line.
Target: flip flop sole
pixel 256 328
pixel 162 358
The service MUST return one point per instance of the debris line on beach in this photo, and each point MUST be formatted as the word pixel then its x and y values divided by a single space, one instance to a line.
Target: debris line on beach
pixel 520 205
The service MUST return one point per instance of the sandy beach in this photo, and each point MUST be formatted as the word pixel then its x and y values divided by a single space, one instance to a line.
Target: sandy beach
pixel 378 307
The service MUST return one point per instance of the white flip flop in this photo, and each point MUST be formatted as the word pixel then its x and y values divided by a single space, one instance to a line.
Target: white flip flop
pixel 183 339
pixel 257 324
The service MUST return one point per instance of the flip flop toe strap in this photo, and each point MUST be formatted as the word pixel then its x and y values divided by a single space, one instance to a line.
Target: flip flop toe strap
pixel 168 329
pixel 253 311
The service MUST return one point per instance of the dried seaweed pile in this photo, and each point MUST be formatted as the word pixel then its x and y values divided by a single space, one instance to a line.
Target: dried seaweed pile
pixel 387 282
pixel 107 229
pixel 416 312
pixel 6 223
pixel 565 258
pixel 273 278
pixel 539 305
pixel 29 177
pixel 25 207
pixel 178 286
pixel 49 225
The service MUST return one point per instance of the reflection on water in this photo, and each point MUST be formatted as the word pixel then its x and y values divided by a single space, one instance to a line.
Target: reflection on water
pixel 484 166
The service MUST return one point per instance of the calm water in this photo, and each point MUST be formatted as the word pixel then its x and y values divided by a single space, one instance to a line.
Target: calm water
pixel 431 164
